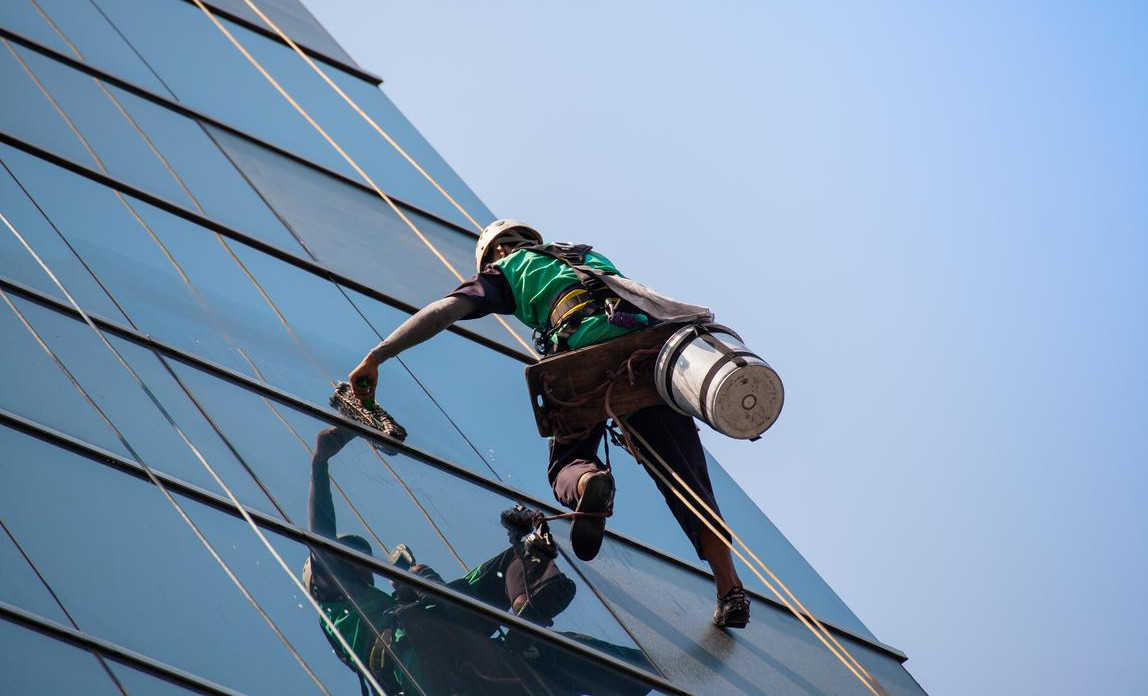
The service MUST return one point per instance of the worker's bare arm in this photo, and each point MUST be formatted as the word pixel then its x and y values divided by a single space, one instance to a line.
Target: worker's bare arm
pixel 422 325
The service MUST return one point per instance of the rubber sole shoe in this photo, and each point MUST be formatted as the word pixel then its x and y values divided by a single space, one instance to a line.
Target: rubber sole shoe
pixel 732 609
pixel 586 532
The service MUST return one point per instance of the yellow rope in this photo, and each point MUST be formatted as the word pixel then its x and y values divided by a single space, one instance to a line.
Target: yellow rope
pixel 804 615
pixel 366 117
pixel 350 161
pixel 817 628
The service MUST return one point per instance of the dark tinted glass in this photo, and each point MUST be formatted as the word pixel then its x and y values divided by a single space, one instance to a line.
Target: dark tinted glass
pixel 148 146
pixel 184 47
pixel 31 371
pixel 19 584
pixel 770 545
pixel 130 410
pixel 37 120
pixel 447 648
pixel 35 665
pixel 77 29
pixel 668 610
pixel 19 265
pixel 294 19
pixel 129 570
pixel 356 233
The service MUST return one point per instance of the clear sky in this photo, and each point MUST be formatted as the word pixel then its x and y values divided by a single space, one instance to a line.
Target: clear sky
pixel 931 219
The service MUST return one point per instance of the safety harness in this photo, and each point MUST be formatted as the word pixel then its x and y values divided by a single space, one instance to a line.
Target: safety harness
pixel 578 302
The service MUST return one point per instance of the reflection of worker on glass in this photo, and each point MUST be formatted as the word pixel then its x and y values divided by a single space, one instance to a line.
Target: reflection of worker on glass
pixel 572 298
pixel 412 642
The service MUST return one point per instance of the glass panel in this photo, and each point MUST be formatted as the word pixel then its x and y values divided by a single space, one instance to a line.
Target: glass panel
pixel 29 371
pixel 19 584
pixel 354 232
pixel 130 256
pixel 115 141
pixel 154 148
pixel 483 391
pixel 204 70
pixel 177 282
pixel 77 29
pixel 130 410
pixel 668 610
pixel 442 647
pixel 138 683
pixel 292 18
pixel 35 665
pixel 131 572
pixel 385 497
pixel 17 264
pixel 770 545
pixel 36 121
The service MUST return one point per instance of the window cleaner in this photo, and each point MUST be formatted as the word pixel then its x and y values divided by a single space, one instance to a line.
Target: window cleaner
pixel 574 297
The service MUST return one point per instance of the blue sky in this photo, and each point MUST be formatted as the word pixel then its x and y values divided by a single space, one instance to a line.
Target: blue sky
pixel 932 220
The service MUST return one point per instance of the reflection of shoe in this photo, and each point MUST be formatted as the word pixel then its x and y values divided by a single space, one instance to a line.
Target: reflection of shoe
pixel 587 530
pixel 518 517
pixel 549 599
pixel 732 609
pixel 539 543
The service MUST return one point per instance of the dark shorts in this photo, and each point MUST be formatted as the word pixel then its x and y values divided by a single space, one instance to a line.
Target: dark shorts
pixel 673 436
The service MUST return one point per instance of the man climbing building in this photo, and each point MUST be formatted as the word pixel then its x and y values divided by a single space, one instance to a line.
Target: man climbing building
pixel 573 297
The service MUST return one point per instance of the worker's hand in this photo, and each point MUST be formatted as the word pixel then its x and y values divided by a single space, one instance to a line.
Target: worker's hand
pixel 364 379
pixel 330 441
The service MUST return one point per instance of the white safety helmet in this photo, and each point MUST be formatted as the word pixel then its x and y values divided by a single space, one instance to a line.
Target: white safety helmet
pixel 502 232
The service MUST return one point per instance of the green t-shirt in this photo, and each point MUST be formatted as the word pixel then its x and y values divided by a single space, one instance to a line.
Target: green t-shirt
pixel 537 280
pixel 357 632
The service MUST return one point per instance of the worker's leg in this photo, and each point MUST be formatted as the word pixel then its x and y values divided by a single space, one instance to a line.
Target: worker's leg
pixel 675 438
pixel 570 462
pixel 582 482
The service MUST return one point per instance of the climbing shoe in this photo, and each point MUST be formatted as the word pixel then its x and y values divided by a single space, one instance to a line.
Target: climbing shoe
pixel 732 609
pixel 539 543
pixel 589 526
pixel 518 518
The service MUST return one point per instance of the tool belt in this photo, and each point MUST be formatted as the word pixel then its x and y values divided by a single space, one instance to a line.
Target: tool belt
pixel 568 391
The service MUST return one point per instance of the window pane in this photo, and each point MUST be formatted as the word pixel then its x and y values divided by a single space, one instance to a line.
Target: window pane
pixel 36 120
pixel 130 571
pixel 17 264
pixel 20 586
pixel 204 70
pixel 30 372
pixel 132 412
pixel 80 31
pixel 446 648
pixel 356 233
pixel 385 497
pixel 292 18
pixel 155 149
pixel 35 665
pixel 668 610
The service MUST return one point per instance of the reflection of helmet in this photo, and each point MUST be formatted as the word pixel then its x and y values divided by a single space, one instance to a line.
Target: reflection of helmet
pixel 502 232
pixel 317 577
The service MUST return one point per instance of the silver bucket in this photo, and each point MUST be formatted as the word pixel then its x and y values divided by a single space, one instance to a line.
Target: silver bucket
pixel 705 371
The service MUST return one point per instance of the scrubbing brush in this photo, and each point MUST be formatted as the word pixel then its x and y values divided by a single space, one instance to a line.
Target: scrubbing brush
pixel 366 411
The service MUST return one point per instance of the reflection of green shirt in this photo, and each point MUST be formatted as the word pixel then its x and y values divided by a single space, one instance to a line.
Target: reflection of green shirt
pixel 376 605
pixel 537 280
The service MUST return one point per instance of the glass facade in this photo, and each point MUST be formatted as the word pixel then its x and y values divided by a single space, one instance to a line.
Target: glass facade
pixel 186 269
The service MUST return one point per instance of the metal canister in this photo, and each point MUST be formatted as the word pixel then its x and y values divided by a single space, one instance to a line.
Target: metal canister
pixel 706 371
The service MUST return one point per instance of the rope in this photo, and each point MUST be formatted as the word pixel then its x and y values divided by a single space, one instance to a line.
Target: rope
pixel 155 480
pixel 350 161
pixel 804 616
pixel 366 117
pixel 851 663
